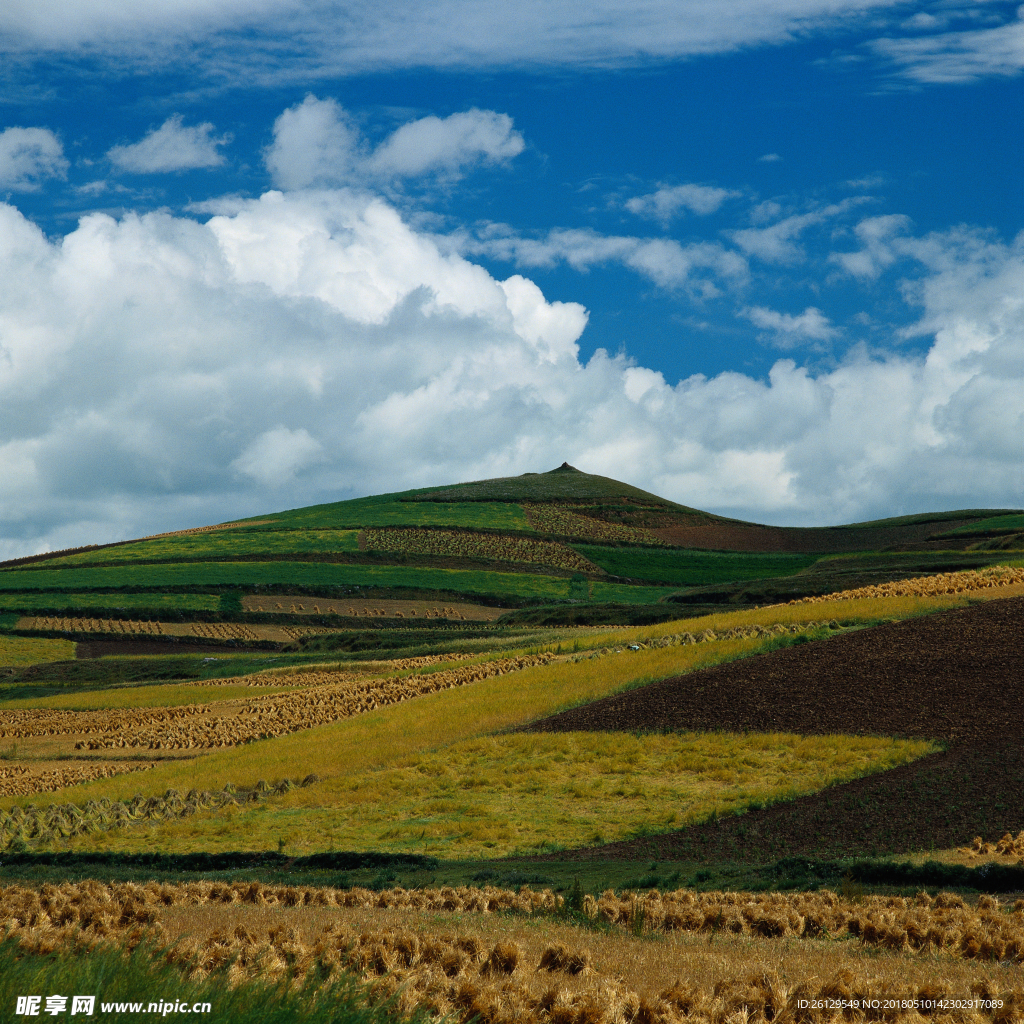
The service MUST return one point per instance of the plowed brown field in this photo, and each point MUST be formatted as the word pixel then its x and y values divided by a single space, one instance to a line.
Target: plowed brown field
pixel 955 676
pixel 752 537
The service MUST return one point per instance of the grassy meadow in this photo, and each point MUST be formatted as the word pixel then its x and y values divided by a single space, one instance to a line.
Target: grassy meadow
pixel 20 650
pixel 320 574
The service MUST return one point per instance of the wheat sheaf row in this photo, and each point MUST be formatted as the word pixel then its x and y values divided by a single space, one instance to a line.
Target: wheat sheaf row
pixel 331 697
pixel 930 586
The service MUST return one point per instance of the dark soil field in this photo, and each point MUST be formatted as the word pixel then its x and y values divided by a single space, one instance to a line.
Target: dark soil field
pixel 724 536
pixel 957 677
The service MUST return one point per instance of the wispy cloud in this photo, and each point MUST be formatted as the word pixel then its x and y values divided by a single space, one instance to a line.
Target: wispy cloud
pixel 668 201
pixel 243 38
pixel 700 268
pixel 957 57
pixel 787 330
pixel 171 147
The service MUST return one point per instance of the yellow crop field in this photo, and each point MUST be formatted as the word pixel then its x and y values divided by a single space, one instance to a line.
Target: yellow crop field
pixel 131 627
pixel 516 794
pixel 434 720
pixel 849 611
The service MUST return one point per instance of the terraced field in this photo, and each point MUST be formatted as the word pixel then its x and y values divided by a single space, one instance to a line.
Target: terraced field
pixel 366 678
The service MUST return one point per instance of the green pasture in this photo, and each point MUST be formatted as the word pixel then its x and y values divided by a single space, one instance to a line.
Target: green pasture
pixel 31 601
pixel 319 574
pixel 557 485
pixel 692 568
pixel 903 563
pixel 389 510
pixel 217 544
pixel 929 517
pixel 992 525
pixel 20 650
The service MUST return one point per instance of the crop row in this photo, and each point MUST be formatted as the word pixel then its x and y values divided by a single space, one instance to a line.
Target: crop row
pixel 320 677
pixel 930 586
pixel 130 627
pixel 20 780
pixel 562 521
pixel 463 544
pixel 709 635
pixel 280 714
pixel 77 624
pixel 458 978
pixel 455 975
pixel 62 821
pixel 332 687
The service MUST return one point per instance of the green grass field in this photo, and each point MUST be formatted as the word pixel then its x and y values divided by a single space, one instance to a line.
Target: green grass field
pixel 317 574
pixel 217 544
pixel 992 525
pixel 692 568
pixel 20 650
pixel 29 601
pixel 389 510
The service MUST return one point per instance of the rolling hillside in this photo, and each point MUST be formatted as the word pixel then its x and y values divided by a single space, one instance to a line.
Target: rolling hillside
pixel 582 548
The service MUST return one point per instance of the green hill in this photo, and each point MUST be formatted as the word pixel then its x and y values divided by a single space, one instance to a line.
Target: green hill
pixel 559 538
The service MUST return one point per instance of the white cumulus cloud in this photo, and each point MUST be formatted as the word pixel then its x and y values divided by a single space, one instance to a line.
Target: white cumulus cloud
pixel 277 455
pixel 158 372
pixel 316 143
pixel 28 155
pixel 171 147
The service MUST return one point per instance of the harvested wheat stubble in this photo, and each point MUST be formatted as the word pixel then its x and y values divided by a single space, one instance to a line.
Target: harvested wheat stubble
pixel 299 604
pixel 232 631
pixel 458 975
pixel 466 544
pixel 920 924
pixel 564 521
pixel 709 635
pixel 930 586
pixel 956 676
pixel 303 677
pixel 227 723
pixel 21 780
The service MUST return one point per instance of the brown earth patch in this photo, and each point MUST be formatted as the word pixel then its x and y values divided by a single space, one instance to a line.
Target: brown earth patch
pixel 730 537
pixel 956 676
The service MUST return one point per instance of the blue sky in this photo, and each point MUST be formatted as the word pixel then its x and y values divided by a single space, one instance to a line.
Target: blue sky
pixel 762 258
